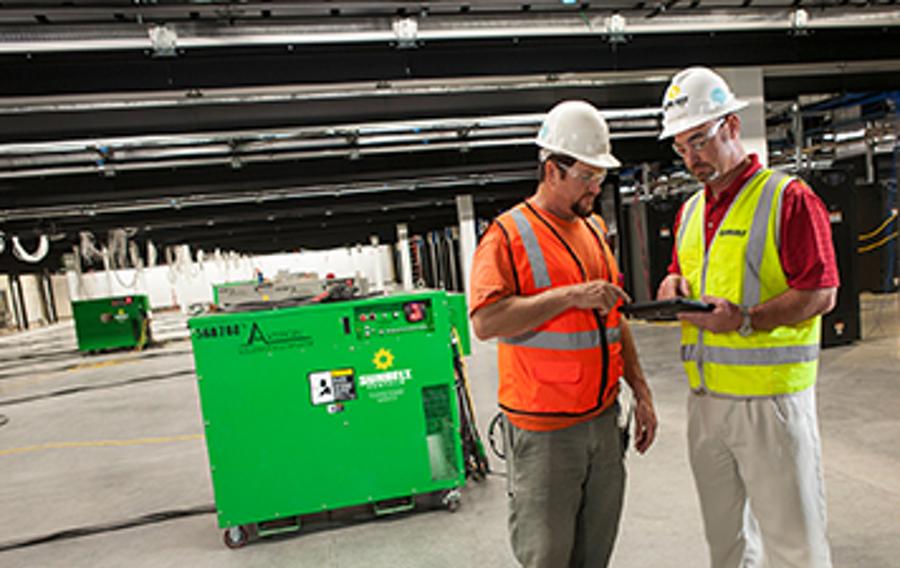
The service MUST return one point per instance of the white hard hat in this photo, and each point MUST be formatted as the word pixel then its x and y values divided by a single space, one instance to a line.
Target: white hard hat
pixel 696 95
pixel 578 130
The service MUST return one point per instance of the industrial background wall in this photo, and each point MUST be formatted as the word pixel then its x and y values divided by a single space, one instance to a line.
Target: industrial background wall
pixel 268 126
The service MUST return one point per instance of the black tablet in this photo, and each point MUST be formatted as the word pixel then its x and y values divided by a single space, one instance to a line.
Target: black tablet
pixel 664 309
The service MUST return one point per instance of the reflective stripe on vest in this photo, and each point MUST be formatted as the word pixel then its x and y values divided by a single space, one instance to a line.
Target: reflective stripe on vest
pixel 532 250
pixel 724 363
pixel 563 341
pixel 758 356
pixel 593 221
pixel 691 205
pixel 756 243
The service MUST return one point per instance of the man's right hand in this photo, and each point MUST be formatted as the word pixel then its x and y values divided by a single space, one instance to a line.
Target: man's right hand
pixel 597 294
pixel 673 286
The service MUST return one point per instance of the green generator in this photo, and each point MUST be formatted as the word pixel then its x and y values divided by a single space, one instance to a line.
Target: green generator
pixel 112 323
pixel 322 407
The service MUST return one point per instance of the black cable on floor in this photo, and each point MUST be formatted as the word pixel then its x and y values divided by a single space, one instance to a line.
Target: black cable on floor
pixel 149 519
pixel 83 388
pixel 40 356
pixel 79 366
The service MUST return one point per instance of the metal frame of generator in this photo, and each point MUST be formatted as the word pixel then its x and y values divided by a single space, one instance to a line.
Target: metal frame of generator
pixel 323 407
pixel 112 323
pixel 283 288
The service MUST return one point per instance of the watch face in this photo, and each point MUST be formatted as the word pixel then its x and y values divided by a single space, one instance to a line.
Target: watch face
pixel 746 325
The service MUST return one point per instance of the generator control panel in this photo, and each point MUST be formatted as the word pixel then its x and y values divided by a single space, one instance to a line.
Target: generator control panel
pixel 394 318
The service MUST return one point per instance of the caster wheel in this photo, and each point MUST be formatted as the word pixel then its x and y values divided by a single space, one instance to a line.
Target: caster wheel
pixel 235 537
pixel 452 500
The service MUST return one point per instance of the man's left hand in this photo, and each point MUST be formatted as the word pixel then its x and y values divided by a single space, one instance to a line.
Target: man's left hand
pixel 725 316
pixel 644 424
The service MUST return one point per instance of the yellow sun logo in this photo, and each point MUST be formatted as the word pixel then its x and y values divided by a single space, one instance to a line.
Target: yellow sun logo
pixel 674 91
pixel 383 359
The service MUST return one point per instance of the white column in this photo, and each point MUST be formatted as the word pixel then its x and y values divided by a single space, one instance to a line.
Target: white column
pixel 405 260
pixel 33 301
pixel 465 211
pixel 747 84
pixel 14 301
pixel 376 259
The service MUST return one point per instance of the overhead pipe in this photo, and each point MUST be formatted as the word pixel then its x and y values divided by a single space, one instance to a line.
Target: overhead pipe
pixel 326 92
pixel 237 160
pixel 110 155
pixel 310 134
pixel 404 88
pixel 436 28
pixel 269 195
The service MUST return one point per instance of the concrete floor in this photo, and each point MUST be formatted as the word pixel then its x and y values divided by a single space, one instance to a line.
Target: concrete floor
pixel 63 464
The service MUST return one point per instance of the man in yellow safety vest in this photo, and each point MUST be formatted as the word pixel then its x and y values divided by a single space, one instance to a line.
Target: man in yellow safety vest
pixel 756 244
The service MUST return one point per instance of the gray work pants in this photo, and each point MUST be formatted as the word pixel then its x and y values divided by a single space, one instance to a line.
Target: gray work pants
pixel 566 489
pixel 757 466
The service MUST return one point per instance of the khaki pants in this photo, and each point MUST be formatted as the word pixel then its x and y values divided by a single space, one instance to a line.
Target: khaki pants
pixel 566 488
pixel 757 466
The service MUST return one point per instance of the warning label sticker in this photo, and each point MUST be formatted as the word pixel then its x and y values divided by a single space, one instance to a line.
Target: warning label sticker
pixel 326 387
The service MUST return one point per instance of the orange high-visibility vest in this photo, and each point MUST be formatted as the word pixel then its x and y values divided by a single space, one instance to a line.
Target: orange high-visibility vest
pixel 557 368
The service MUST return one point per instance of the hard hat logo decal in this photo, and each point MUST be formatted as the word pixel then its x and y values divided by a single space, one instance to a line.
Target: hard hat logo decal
pixel 673 92
pixel 383 359
pixel 718 96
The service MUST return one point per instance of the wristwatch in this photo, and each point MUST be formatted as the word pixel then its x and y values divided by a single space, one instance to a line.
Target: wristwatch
pixel 746 327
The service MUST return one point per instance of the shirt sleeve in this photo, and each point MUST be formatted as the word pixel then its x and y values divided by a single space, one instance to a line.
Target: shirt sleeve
pixel 492 270
pixel 807 253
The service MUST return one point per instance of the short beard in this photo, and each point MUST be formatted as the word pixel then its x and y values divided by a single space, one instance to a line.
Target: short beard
pixel 584 213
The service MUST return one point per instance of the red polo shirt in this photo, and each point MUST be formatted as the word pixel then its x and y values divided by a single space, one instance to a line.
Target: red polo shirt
pixel 807 253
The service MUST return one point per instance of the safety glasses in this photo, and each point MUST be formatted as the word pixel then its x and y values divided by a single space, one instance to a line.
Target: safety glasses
pixel 584 177
pixel 699 141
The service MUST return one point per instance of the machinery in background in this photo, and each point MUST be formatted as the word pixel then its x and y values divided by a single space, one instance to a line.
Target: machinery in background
pixel 836 188
pixel 314 410
pixel 112 323
pixel 876 244
pixel 857 130
pixel 647 238
pixel 435 261
pixel 875 180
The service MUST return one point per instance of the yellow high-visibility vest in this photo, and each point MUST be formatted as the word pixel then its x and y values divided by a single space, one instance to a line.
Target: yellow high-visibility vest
pixel 743 266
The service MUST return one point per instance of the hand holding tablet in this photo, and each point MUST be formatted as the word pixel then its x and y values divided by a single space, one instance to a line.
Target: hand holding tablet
pixel 664 310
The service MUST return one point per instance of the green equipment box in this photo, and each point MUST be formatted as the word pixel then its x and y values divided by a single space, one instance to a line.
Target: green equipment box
pixel 112 323
pixel 316 408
